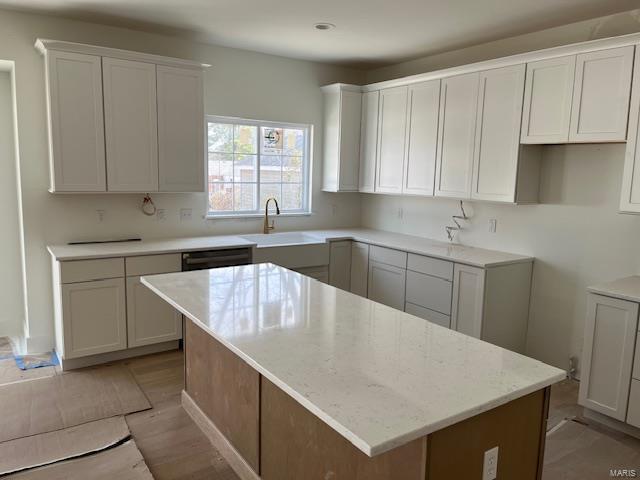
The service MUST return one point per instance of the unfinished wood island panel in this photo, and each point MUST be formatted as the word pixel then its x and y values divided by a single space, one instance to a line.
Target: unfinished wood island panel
pixel 295 444
pixel 226 389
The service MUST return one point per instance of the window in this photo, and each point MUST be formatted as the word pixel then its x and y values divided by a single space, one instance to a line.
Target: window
pixel 250 161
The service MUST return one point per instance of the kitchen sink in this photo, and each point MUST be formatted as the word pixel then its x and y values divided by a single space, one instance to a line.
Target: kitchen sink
pixel 282 239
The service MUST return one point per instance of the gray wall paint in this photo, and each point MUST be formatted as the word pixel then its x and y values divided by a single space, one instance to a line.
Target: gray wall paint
pixel 12 312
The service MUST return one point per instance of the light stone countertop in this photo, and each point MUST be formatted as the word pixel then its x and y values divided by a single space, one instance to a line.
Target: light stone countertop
pixel 627 288
pixel 378 376
pixel 477 257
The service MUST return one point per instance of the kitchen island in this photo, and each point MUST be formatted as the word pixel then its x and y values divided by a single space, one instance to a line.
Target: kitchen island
pixel 291 378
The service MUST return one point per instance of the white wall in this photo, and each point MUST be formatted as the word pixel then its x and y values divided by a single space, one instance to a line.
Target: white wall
pixel 576 233
pixel 240 83
pixel 12 312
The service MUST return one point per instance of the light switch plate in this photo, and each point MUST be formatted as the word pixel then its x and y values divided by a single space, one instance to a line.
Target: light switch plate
pixel 490 467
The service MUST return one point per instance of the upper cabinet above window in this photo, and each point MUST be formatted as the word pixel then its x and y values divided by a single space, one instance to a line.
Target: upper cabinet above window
pixel 122 121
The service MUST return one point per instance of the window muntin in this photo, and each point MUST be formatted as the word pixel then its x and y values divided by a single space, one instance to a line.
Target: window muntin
pixel 250 161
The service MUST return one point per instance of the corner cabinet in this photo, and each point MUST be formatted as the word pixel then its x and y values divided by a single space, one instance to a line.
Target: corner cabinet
pixel 122 121
pixel 342 111
pixel 368 141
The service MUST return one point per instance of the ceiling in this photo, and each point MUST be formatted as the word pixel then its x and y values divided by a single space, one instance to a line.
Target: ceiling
pixel 368 33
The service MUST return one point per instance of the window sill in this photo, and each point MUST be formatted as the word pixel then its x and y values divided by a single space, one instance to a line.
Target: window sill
pixel 256 215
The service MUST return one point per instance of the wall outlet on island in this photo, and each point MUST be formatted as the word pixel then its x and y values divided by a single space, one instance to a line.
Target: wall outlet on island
pixel 490 467
pixel 185 214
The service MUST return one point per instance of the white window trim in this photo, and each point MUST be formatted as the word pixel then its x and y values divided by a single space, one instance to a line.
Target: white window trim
pixel 306 174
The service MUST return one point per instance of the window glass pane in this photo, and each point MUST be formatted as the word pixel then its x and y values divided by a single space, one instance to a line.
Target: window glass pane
pixel 245 168
pixel 291 196
pixel 221 196
pixel 245 196
pixel 220 167
pixel 292 169
pixel 293 143
pixel 246 139
pixel 270 168
pixel 272 140
pixel 268 190
pixel 220 137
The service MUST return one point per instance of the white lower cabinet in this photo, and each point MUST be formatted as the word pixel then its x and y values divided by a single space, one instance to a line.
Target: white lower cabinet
pixel 387 284
pixel 468 300
pixel 95 319
pixel 149 318
pixel 359 268
pixel 427 314
pixel 429 292
pixel 340 265
pixel 633 413
pixel 610 336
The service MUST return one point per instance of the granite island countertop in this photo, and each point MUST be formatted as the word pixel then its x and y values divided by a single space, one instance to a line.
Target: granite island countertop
pixel 477 257
pixel 378 376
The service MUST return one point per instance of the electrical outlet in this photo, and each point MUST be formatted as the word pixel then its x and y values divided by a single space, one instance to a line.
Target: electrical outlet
pixel 161 214
pixel 400 213
pixel 490 467
pixel 101 214
pixel 185 214
pixel 493 224
pixel 334 209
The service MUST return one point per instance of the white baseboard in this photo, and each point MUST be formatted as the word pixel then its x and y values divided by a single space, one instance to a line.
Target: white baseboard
pixel 230 454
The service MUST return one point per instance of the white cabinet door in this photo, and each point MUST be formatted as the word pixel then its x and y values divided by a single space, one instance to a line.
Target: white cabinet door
pixel 547 100
pixel 431 315
pixel 350 113
pixel 457 126
pixel 149 318
pixel 76 122
pixel 633 413
pixel 94 317
pixel 181 130
pixel 467 306
pixel 601 96
pixel 609 337
pixel 368 141
pixel 387 284
pixel 422 138
pixel 340 265
pixel 131 125
pixel 429 292
pixel 495 161
pixel 359 268
pixel 630 192
pixel 391 140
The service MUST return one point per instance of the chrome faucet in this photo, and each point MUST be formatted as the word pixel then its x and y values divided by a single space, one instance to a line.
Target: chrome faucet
pixel 267 227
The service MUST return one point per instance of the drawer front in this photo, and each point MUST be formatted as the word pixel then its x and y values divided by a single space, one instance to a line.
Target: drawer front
pixel 429 292
pixel 86 270
pixel 633 413
pixel 430 266
pixel 433 316
pixel 388 256
pixel 636 361
pixel 152 264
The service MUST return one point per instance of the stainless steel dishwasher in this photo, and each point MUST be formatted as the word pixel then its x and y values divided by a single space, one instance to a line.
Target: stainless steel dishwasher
pixel 215 259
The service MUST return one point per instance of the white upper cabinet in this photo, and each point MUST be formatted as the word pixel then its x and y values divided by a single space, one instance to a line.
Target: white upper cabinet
pixel 76 122
pixel 497 138
pixel 391 140
pixel 131 132
pixel 457 126
pixel 630 196
pixel 601 96
pixel 123 121
pixel 368 141
pixel 547 100
pixel 422 138
pixel 181 129
pixel 342 111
